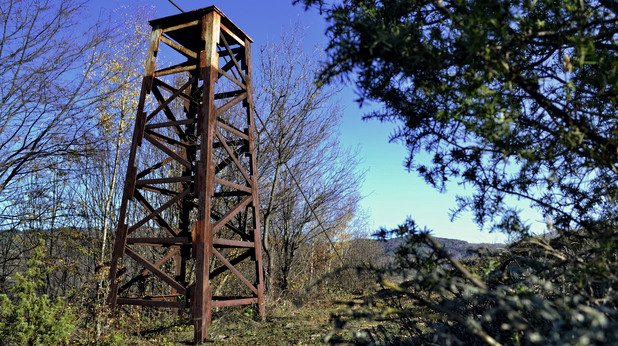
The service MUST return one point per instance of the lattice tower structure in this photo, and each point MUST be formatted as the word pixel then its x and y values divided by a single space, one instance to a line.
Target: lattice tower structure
pixel 188 233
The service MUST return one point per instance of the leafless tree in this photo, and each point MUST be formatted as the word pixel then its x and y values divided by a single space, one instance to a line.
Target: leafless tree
pixel 47 55
pixel 299 143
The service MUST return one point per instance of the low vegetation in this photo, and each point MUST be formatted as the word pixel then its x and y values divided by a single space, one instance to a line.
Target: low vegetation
pixel 28 317
pixel 556 290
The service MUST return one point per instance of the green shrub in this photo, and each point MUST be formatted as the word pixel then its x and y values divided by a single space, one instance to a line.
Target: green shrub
pixel 558 290
pixel 30 318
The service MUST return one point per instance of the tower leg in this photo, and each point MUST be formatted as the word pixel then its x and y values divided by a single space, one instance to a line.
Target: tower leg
pixel 259 273
pixel 202 296
pixel 205 177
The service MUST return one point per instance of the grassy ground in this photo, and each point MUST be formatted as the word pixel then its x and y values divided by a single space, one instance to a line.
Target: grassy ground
pixel 286 324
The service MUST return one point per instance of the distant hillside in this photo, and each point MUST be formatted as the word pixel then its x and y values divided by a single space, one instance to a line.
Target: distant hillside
pixel 462 249
pixel 457 248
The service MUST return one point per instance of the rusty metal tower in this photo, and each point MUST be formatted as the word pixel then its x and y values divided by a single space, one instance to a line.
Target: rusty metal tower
pixel 189 221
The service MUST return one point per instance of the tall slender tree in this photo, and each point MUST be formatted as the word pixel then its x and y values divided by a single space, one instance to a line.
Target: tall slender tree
pixel 298 143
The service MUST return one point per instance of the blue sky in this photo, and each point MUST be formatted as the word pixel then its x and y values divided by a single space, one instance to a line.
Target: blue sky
pixel 390 192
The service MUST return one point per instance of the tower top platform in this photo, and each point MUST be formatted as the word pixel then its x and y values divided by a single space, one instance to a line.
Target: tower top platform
pixel 186 33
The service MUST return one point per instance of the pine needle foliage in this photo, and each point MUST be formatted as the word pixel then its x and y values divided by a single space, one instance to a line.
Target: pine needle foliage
pixel 28 317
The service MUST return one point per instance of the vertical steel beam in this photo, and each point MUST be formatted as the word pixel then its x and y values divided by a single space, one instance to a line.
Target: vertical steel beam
pixel 205 179
pixel 247 66
pixel 129 183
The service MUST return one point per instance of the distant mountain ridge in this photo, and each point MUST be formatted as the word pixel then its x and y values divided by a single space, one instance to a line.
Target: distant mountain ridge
pixel 455 247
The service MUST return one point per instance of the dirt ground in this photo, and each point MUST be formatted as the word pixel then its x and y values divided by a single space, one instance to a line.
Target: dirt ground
pixel 310 323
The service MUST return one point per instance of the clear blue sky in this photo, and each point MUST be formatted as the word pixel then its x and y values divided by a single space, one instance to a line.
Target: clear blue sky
pixel 391 193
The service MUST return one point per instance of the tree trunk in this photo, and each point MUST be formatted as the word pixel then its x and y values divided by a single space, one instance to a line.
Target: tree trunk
pixel 106 221
pixel 266 237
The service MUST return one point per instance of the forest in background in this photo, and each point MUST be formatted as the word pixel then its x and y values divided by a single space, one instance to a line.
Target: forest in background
pixel 514 99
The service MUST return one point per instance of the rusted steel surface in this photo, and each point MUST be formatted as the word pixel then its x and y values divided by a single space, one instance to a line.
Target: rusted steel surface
pixel 190 205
